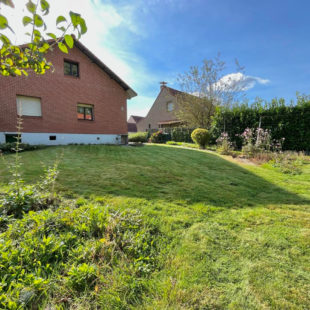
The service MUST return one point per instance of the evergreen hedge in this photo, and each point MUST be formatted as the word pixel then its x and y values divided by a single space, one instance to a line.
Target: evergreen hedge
pixel 291 122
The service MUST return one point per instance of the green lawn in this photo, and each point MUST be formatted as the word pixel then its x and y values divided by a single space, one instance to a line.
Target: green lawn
pixel 238 236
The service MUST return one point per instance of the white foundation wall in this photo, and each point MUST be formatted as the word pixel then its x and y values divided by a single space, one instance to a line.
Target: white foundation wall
pixel 64 138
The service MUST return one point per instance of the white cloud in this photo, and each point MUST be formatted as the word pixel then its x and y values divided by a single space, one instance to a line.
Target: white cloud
pixel 239 82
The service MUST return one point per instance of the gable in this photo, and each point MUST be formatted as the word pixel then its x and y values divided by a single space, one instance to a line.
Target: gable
pixel 130 92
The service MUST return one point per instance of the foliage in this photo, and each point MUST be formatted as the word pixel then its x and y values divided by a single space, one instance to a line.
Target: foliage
pixel 57 258
pixel 18 60
pixel 224 146
pixel 173 143
pixel 180 134
pixel 201 137
pixel 283 120
pixel 203 89
pixel 138 137
pixel 20 198
pixel 159 137
pixel 10 147
pixel 289 162
pixel 259 141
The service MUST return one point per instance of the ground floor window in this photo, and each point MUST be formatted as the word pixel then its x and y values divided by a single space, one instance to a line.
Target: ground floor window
pixel 11 138
pixel 85 112
pixel 28 106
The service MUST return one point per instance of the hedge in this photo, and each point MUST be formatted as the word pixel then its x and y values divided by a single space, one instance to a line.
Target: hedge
pixel 180 134
pixel 291 122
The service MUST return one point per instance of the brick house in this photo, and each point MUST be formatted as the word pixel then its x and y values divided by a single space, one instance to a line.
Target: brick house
pixel 82 101
pixel 162 112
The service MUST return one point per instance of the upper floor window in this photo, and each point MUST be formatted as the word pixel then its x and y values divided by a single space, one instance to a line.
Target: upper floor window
pixel 85 111
pixel 71 68
pixel 28 106
pixel 170 106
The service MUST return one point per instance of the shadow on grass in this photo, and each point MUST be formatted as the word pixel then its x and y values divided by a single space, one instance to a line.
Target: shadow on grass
pixel 158 173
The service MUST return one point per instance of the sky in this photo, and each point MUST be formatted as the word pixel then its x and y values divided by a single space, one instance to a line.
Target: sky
pixel 148 41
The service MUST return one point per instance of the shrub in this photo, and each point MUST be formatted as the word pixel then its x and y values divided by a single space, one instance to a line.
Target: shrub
pixel 201 137
pixel 159 137
pixel 138 137
pixel 11 147
pixel 180 134
pixel 259 141
pixel 224 146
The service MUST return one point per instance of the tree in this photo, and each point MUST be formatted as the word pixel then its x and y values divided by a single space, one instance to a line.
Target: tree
pixel 203 89
pixel 17 60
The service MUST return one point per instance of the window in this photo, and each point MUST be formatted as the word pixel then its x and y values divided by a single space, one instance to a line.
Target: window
pixel 11 138
pixel 149 126
pixel 52 138
pixel 71 68
pixel 170 106
pixel 85 111
pixel 28 106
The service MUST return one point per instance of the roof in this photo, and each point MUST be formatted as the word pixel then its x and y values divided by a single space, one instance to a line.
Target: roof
pixel 130 92
pixel 174 92
pixel 136 118
pixel 132 127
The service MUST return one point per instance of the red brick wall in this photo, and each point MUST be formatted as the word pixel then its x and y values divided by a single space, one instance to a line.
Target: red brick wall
pixel 60 95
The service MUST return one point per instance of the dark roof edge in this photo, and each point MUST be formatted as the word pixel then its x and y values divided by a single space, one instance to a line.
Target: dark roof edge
pixel 130 92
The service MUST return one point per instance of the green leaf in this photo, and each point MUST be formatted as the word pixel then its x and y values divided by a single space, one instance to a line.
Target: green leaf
pixel 37 33
pixel 52 35
pixel 38 21
pixel 74 18
pixel 45 47
pixel 60 19
pixel 83 26
pixel 7 2
pixel 69 40
pixel 31 7
pixel 5 39
pixel 63 47
pixel 3 22
pixel 63 29
pixel 45 6
pixel 27 20
pixel 17 72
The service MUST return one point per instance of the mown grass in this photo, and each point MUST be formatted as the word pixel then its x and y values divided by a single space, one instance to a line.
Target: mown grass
pixel 238 235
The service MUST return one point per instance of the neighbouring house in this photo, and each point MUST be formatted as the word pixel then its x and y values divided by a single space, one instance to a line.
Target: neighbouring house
pixel 162 113
pixel 81 101
pixel 132 123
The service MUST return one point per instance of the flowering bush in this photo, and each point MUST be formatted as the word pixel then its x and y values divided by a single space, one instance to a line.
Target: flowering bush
pixel 201 137
pixel 224 145
pixel 259 141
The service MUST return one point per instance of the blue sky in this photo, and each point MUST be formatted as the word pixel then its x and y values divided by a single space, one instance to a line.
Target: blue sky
pixel 270 38
pixel 147 41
